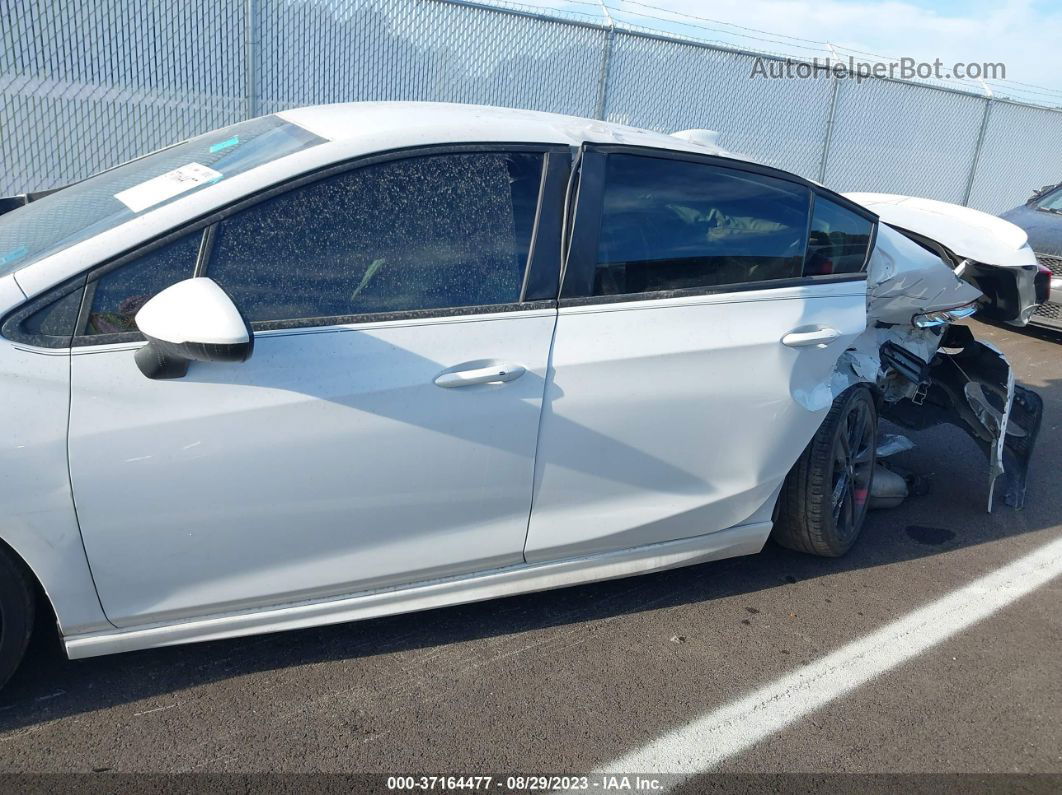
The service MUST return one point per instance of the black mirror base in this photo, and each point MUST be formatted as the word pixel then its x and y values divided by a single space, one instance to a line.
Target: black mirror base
pixel 157 363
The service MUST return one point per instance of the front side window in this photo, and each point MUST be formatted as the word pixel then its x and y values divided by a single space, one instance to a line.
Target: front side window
pixel 119 294
pixel 674 224
pixel 429 232
pixel 838 241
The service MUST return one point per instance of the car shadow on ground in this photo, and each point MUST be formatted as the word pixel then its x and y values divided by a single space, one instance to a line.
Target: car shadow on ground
pixel 48 687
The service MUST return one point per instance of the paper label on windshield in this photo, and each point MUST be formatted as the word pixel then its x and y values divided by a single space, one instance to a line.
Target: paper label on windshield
pixel 172 183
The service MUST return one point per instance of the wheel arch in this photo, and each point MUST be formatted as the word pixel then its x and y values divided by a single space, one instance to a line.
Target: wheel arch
pixel 43 599
pixel 61 576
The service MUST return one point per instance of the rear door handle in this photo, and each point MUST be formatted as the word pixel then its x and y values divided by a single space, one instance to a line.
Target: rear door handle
pixel 820 338
pixel 491 374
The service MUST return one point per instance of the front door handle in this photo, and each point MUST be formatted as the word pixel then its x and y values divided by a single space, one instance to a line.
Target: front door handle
pixel 819 337
pixel 491 374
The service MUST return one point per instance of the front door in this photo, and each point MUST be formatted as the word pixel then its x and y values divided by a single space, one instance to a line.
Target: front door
pixel 345 455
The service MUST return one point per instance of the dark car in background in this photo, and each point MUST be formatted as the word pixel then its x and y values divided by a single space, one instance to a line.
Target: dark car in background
pixel 1041 218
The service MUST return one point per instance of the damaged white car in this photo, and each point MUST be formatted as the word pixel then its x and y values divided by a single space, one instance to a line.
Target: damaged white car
pixel 356 360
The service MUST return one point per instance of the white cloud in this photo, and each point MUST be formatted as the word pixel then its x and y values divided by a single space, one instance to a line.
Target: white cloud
pixel 1022 34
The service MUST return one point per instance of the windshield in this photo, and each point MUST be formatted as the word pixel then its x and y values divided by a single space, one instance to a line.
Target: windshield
pixel 1052 202
pixel 113 197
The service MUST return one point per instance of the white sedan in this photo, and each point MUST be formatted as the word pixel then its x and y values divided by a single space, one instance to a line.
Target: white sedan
pixel 355 360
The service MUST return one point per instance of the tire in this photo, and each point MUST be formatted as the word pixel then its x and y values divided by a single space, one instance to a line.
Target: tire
pixel 16 614
pixel 824 499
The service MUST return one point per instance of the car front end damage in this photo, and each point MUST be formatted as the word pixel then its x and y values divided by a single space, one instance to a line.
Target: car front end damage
pixel 990 253
pixel 928 371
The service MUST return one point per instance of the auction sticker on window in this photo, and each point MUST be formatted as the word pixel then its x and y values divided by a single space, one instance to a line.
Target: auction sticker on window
pixel 172 183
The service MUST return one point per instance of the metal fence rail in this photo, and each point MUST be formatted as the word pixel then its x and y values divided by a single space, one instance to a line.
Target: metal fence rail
pixel 86 84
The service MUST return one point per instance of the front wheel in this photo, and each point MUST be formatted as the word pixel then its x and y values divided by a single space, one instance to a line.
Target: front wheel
pixel 16 614
pixel 825 496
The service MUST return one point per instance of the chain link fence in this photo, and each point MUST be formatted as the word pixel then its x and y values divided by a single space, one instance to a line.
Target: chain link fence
pixel 87 84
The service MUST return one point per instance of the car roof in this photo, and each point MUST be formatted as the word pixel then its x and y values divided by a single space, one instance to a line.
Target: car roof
pixel 440 122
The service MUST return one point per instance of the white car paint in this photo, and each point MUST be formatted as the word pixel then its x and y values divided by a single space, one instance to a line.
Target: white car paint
pixel 40 523
pixel 969 233
pixel 290 491
pixel 216 322
pixel 38 520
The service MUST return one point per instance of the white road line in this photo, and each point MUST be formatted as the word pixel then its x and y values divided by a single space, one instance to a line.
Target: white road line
pixel 705 742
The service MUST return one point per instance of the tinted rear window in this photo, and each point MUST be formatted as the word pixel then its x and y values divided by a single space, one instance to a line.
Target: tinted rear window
pixel 673 224
pixel 839 240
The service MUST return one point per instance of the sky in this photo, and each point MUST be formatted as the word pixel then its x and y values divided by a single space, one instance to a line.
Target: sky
pixel 1025 35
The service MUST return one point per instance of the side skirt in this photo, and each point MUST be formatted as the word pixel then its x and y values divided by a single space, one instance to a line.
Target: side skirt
pixel 742 540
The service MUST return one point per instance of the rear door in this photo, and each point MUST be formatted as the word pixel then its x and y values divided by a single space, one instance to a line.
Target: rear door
pixel 697 332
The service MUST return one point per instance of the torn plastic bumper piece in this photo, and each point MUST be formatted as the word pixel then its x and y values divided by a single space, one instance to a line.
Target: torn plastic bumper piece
pixel 970 384
pixel 1011 295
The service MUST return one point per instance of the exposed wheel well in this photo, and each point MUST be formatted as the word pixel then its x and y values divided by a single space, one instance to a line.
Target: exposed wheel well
pixel 44 602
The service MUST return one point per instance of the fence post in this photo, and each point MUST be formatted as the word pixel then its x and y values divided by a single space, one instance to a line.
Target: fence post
pixel 977 151
pixel 829 120
pixel 250 59
pixel 606 64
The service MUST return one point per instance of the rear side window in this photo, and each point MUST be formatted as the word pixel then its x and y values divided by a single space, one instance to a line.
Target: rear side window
pixel 118 295
pixel 673 224
pixel 838 241
pixel 431 232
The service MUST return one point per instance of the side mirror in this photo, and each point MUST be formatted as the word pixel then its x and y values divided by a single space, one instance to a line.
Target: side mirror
pixel 193 320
